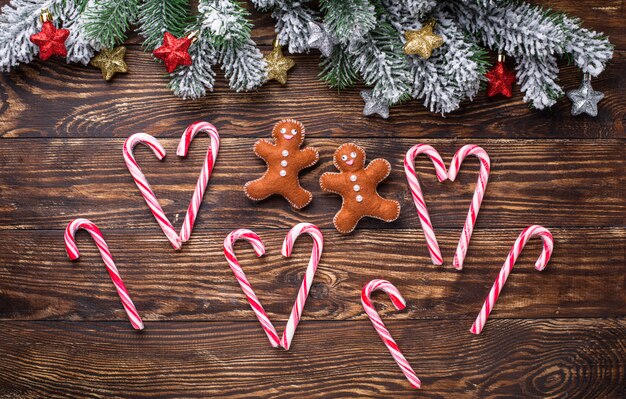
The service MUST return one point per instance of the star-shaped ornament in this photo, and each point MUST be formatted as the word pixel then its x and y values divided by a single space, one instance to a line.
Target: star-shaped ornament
pixel 585 99
pixel 374 105
pixel 278 64
pixel 320 39
pixel 174 51
pixel 500 80
pixel 423 41
pixel 110 62
pixel 51 41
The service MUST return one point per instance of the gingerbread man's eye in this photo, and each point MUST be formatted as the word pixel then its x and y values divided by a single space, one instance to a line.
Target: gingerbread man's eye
pixel 353 155
pixel 294 131
pixel 283 130
pixel 344 157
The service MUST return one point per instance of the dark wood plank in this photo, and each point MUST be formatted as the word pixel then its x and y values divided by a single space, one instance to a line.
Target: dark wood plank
pixel 513 358
pixel 37 281
pixel 53 99
pixel 45 183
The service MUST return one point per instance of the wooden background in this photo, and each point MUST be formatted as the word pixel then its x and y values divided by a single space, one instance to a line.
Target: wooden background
pixel 63 332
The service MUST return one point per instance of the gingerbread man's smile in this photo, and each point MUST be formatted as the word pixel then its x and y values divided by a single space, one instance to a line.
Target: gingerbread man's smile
pixel 350 162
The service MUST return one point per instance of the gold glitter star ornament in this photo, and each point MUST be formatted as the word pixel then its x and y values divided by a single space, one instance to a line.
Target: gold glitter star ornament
pixel 423 41
pixel 110 61
pixel 278 64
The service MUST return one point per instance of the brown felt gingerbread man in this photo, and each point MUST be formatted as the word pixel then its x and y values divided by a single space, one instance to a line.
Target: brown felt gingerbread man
pixel 284 160
pixel 357 187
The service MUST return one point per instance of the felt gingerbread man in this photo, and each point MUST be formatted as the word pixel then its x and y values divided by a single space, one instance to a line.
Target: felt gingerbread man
pixel 284 160
pixel 357 187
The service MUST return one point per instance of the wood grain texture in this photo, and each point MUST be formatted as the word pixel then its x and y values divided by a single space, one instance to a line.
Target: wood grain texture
pixel 574 358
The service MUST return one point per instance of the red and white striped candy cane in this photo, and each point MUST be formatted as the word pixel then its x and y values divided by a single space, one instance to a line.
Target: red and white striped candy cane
pixel 254 302
pixel 303 293
pixel 73 253
pixel 144 186
pixel 479 193
pixel 205 173
pixel 516 250
pixel 418 196
pixel 378 324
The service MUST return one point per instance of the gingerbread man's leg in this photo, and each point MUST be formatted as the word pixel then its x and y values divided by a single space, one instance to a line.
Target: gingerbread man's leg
pixel 259 189
pixel 345 220
pixel 297 196
pixel 388 210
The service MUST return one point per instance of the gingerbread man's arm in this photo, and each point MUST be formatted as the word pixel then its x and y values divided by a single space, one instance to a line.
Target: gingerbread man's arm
pixel 378 169
pixel 263 149
pixel 308 156
pixel 332 182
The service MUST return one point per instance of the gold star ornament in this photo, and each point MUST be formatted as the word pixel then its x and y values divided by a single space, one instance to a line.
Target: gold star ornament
pixel 110 61
pixel 278 64
pixel 423 41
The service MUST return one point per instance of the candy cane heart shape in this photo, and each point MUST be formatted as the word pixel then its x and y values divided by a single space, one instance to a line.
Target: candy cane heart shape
pixel 205 172
pixel 516 250
pixel 73 253
pixel 380 328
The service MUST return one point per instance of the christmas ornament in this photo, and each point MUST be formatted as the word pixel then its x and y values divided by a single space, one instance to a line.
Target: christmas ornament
pixel 374 105
pixel 423 41
pixel 110 61
pixel 500 80
pixel 278 64
pixel 320 39
pixel 585 99
pixel 174 51
pixel 51 41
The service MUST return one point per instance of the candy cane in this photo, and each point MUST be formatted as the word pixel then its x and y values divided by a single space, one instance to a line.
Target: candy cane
pixel 144 186
pixel 516 250
pixel 303 293
pixel 418 196
pixel 205 173
pixel 259 249
pixel 380 328
pixel 479 193
pixel 73 253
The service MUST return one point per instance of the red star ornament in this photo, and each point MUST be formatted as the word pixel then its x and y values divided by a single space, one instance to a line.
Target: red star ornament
pixel 174 52
pixel 51 41
pixel 500 80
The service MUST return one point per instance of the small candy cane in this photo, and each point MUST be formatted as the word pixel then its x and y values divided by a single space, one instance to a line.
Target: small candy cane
pixel 380 328
pixel 418 196
pixel 259 249
pixel 303 293
pixel 205 173
pixel 144 186
pixel 479 193
pixel 516 250
pixel 73 253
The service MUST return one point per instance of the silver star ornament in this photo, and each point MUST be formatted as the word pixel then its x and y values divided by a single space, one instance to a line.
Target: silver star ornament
pixel 585 99
pixel 320 39
pixel 374 105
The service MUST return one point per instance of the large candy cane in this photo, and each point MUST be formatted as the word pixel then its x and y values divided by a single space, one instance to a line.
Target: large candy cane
pixel 254 302
pixel 378 324
pixel 303 293
pixel 205 173
pixel 516 250
pixel 73 253
pixel 479 193
pixel 418 196
pixel 144 186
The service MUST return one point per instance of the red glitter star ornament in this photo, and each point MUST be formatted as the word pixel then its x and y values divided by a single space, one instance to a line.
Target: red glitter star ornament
pixel 51 41
pixel 500 80
pixel 174 51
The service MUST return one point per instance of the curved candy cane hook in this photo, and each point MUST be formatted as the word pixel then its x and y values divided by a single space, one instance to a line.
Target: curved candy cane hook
pixel 418 196
pixel 477 199
pixel 144 186
pixel 380 328
pixel 516 250
pixel 259 249
pixel 73 253
pixel 205 174
pixel 303 293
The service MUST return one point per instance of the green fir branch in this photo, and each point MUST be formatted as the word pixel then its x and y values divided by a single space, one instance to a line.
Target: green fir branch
pixel 108 20
pixel 337 70
pixel 159 16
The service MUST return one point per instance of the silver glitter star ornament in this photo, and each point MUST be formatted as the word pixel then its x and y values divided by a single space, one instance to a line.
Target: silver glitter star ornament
pixel 585 99
pixel 320 39
pixel 374 105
